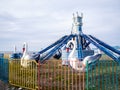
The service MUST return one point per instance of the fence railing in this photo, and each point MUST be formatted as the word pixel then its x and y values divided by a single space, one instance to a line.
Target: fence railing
pixel 52 75
pixel 104 76
pixel 20 76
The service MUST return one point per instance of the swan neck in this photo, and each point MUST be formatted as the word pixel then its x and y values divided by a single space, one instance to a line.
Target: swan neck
pixel 25 46
pixel 99 52
pixel 14 49
pixel 73 50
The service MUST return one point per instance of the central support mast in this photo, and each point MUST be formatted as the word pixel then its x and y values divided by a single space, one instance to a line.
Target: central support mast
pixel 77 30
pixel 77 24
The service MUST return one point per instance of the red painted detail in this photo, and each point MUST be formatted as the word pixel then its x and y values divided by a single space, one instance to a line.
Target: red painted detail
pixel 67 49
pixel 23 49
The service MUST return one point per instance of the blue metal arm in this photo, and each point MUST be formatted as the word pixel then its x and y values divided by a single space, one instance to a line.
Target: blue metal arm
pixel 105 45
pixel 106 51
pixel 55 49
pixel 87 44
pixel 49 47
pixel 52 45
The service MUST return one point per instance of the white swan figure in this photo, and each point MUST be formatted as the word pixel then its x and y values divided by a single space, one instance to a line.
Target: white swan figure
pixel 15 48
pixel 73 61
pixel 81 65
pixel 93 59
pixel 26 56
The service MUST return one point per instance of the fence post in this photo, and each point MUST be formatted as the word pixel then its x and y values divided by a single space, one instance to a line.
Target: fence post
pixel 38 78
pixel 99 76
pixel 87 83
pixel 117 77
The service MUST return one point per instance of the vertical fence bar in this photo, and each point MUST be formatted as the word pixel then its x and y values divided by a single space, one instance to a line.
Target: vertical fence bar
pixel 83 81
pixel 68 78
pixel 79 85
pixel 99 75
pixel 42 77
pixel 61 77
pixel 87 81
pixel 53 86
pixel 106 76
pixel 113 76
pixel 44 74
pixel 119 75
pixel 91 77
pixel 51 75
pixel 38 71
pixel 103 66
pixel 58 75
pixel 95 79
pixel 72 78
pixel 48 76
pixel 110 72
pixel 116 78
pixel 109 76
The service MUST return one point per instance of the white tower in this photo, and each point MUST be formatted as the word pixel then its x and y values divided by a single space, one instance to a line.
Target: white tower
pixel 77 24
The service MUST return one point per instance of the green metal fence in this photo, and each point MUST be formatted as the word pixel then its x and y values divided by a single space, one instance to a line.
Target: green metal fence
pixel 104 76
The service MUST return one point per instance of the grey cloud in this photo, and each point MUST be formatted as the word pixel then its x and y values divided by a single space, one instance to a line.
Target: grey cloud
pixel 42 22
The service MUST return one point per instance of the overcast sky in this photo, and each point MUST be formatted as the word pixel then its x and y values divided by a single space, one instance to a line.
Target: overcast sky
pixel 41 22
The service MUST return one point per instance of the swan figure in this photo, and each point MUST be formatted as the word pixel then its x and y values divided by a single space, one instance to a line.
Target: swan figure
pixel 26 56
pixel 93 59
pixel 73 61
pixel 81 65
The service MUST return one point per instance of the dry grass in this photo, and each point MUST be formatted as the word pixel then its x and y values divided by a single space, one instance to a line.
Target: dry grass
pixel 105 57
